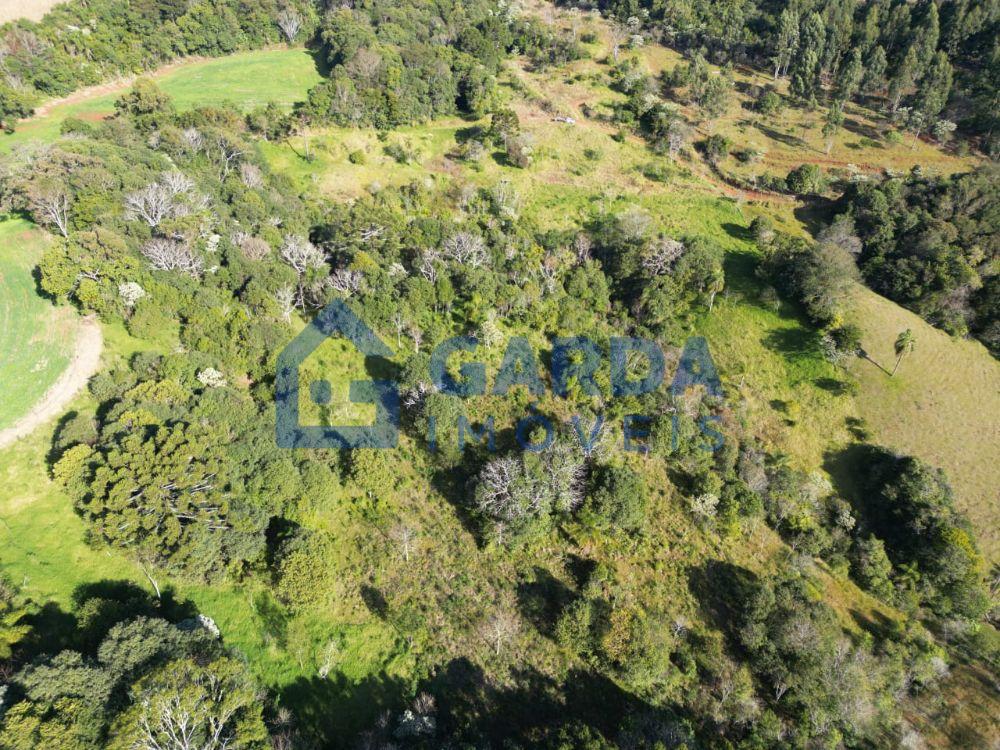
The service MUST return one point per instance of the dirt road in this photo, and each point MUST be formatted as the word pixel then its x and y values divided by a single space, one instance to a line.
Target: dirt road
pixel 86 359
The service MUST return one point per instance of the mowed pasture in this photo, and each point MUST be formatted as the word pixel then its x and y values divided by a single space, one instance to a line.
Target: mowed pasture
pixel 941 405
pixel 246 80
pixel 36 339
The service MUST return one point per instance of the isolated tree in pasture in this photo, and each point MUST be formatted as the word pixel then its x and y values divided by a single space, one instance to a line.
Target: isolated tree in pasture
pixel 503 625
pixel 833 122
pixel 405 536
pixel 903 345
pixel 618 33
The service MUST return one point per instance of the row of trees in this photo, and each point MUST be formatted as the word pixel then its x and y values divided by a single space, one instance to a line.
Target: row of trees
pixel 907 54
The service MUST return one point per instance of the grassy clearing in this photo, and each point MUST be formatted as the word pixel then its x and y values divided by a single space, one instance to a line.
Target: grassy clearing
pixel 940 406
pixel 246 79
pixel 35 338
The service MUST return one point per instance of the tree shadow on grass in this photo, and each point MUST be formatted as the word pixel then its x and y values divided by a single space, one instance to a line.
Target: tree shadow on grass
pixel 720 588
pixel 474 710
pixel 331 712
pixel 851 472
pixel 97 607
pixel 541 598
pixel 794 344
pixel 786 138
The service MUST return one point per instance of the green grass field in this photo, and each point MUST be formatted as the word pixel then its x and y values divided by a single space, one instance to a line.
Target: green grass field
pixel 36 339
pixel 247 80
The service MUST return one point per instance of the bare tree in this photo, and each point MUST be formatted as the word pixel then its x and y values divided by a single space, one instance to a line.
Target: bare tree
pixel 253 248
pixel 659 256
pixel 618 32
pixel 49 202
pixel 193 139
pixel 229 154
pixel 428 267
pixel 506 200
pixel 501 627
pixel 548 269
pixel 302 256
pixel 678 134
pixel 400 323
pixel 842 234
pixel 177 183
pixel 405 536
pixel 250 175
pixel 346 281
pixel 582 246
pixel 159 200
pixel 467 249
pixel 171 255
pixel 289 21
pixel 365 67
pixel 417 336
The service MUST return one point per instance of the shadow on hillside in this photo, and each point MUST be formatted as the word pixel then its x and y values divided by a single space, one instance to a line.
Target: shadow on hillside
pixel 541 598
pixel 794 344
pixel 472 709
pixel 720 589
pixel 815 212
pixel 863 129
pixel 850 471
pixel 97 607
pixel 786 138
pixel 331 712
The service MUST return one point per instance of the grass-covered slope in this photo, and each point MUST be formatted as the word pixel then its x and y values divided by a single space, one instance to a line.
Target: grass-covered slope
pixel 36 339
pixel 245 79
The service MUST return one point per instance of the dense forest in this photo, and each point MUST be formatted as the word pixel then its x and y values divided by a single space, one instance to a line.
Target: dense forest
pixel 926 61
pixel 173 225
pixel 931 244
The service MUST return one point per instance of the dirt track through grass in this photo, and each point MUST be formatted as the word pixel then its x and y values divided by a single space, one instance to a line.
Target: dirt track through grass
pixel 86 360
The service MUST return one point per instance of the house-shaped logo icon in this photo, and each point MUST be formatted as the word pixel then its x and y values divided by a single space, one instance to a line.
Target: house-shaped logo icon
pixel 335 319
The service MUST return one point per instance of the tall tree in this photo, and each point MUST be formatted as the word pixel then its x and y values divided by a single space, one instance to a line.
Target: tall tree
pixel 874 77
pixel 787 41
pixel 933 90
pixel 904 345
pixel 904 77
pixel 849 76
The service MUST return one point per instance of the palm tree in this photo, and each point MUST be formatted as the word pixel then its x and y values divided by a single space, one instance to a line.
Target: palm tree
pixel 904 345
